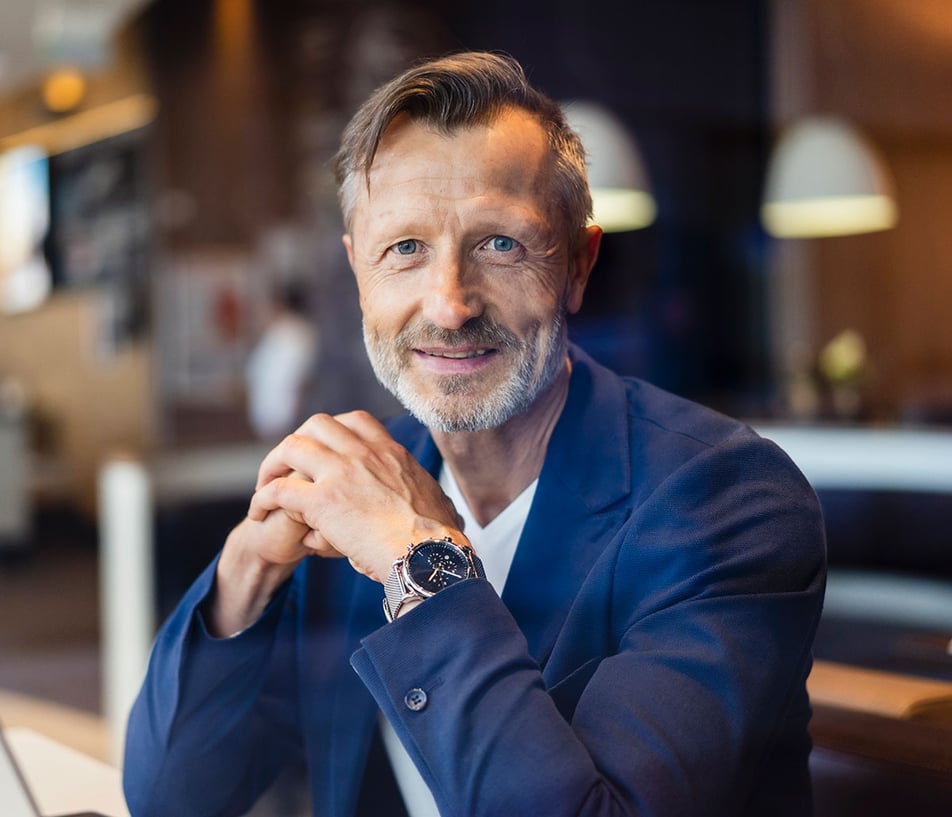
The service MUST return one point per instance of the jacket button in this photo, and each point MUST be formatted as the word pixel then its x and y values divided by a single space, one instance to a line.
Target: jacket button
pixel 415 699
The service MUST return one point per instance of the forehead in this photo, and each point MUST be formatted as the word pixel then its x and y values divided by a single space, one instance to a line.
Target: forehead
pixel 507 158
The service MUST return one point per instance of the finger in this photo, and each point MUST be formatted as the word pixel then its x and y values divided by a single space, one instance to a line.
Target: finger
pixel 294 496
pixel 365 426
pixel 316 439
pixel 347 433
pixel 319 546
pixel 283 525
pixel 296 454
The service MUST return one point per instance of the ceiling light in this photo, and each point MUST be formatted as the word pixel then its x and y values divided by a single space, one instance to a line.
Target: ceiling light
pixel 621 195
pixel 825 179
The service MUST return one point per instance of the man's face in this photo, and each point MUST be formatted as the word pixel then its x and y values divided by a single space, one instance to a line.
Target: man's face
pixel 465 270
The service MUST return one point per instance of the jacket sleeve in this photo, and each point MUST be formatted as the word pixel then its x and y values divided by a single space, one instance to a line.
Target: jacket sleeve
pixel 678 673
pixel 202 738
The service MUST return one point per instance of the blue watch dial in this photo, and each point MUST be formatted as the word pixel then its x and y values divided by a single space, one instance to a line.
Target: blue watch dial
pixel 437 564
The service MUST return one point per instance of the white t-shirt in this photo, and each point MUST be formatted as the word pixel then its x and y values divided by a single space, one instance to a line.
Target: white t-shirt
pixel 496 546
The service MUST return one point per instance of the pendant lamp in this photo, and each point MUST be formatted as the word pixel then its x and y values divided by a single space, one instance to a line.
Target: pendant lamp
pixel 825 179
pixel 621 195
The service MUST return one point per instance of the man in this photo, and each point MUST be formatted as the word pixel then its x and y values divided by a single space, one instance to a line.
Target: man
pixel 655 570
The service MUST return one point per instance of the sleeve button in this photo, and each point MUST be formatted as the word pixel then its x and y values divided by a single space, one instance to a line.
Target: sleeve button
pixel 415 699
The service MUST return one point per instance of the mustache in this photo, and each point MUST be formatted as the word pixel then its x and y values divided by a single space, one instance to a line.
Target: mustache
pixel 476 331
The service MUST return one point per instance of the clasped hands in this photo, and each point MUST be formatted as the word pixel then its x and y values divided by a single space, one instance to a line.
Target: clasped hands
pixel 346 488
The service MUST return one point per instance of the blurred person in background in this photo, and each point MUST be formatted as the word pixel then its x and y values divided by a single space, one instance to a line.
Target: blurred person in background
pixel 281 363
pixel 561 593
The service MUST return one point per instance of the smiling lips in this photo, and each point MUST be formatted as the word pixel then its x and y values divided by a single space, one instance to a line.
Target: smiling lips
pixel 454 360
pixel 455 354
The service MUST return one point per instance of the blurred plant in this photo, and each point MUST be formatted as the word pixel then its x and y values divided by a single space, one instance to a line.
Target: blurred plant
pixel 844 358
pixel 843 367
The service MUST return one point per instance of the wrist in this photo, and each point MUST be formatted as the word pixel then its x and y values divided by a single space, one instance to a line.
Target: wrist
pixel 427 567
pixel 407 606
pixel 244 585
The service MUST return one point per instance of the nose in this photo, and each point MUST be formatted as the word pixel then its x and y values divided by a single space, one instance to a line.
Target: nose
pixel 452 296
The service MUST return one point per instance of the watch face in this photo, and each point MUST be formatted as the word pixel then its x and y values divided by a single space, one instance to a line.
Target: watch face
pixel 436 564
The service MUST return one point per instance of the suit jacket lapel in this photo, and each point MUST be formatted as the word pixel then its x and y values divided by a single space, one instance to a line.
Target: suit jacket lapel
pixel 578 495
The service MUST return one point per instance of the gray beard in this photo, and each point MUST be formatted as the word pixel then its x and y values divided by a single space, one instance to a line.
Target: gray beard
pixel 535 372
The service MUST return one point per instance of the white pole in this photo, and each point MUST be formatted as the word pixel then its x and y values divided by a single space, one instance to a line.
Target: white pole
pixel 126 590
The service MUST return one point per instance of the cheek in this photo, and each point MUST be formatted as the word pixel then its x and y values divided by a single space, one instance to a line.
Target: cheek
pixel 531 300
pixel 384 308
pixel 528 319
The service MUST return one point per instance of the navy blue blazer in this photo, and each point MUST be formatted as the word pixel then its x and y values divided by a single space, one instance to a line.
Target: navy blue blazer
pixel 648 655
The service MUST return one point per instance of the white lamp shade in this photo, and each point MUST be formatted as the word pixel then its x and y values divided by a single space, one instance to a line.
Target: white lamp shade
pixel 621 194
pixel 825 179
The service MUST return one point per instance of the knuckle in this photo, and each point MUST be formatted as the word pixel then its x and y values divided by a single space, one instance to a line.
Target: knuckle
pixel 294 442
pixel 360 415
pixel 313 424
pixel 393 451
pixel 295 445
pixel 276 491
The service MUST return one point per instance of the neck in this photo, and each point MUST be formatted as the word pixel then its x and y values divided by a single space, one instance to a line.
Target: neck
pixel 492 467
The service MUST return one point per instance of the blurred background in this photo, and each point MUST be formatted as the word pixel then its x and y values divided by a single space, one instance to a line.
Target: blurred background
pixel 169 229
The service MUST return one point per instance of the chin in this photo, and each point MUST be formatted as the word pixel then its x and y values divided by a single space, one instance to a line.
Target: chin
pixel 474 415
pixel 458 406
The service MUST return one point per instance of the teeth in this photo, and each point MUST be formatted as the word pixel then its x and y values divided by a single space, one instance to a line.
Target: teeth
pixel 460 355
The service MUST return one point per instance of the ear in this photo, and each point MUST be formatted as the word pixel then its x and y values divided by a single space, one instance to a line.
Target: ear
pixel 581 267
pixel 349 246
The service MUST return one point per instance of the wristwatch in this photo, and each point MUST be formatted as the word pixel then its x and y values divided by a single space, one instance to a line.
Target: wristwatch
pixel 428 567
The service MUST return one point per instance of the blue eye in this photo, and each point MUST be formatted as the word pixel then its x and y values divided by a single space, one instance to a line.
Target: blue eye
pixel 406 247
pixel 502 243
